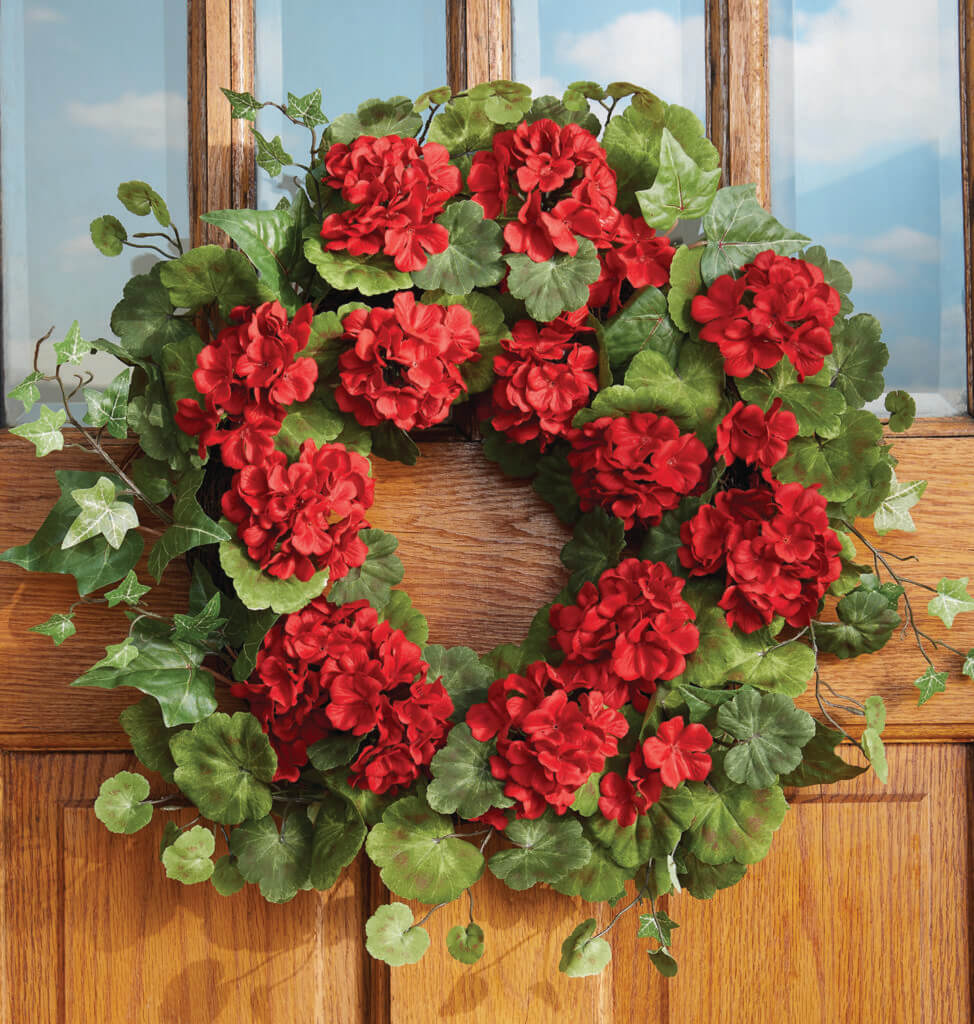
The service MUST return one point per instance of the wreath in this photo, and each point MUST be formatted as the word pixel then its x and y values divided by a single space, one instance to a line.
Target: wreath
pixel 678 374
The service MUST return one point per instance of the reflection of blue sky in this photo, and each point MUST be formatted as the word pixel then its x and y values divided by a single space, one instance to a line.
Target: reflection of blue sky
pixel 866 160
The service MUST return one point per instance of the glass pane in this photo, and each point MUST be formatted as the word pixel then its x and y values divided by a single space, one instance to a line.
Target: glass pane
pixel 93 95
pixel 352 52
pixel 865 134
pixel 659 45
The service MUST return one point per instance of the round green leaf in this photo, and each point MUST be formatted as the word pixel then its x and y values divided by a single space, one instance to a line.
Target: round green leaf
pixel 119 805
pixel 596 881
pixel 472 259
pixel 581 954
pixel 374 579
pixel 546 849
pixel 369 275
pixel 339 832
pixel 462 780
pixel 390 935
pixel 466 944
pixel 149 736
pixel 866 623
pixel 138 198
pixel 902 409
pixel 210 273
pixel 108 234
pixel 188 859
pixel 558 284
pixel 279 862
pixel 259 590
pixel 226 877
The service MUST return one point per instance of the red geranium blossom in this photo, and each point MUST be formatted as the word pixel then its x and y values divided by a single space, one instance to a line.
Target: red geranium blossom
pixel 637 254
pixel 636 466
pixel 300 518
pixel 627 632
pixel 677 751
pixel 328 669
pixel 777 307
pixel 624 799
pixel 405 364
pixel 759 438
pixel 776 547
pixel 398 188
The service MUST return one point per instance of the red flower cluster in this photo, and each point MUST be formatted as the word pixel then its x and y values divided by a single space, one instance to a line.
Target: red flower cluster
pixel 404 366
pixel 636 466
pixel 398 187
pixel 779 306
pixel 247 378
pixel 759 438
pixel 543 378
pixel 300 518
pixel 548 742
pixel 636 254
pixel 675 753
pixel 774 544
pixel 332 668
pixel 627 632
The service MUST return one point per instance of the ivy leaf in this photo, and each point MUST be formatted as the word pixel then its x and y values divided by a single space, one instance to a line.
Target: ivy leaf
pixel 149 736
pixel 462 780
pixel 117 655
pixel 369 275
pixel 312 419
pixel 271 155
pixel 334 751
pixel 685 283
pixel 226 877
pixel 929 683
pixel 866 622
pixel 738 227
pixel 472 259
pixel 100 515
pixel 306 109
pixel 210 273
pixel 663 962
pixel 377 117
pixel 596 544
pixel 119 805
pixel 242 104
pixel 643 322
pixel 858 359
pixel 417 858
pixel 279 862
pixel 107 234
pixel 129 590
pixel 465 944
pixel 894 510
pixel 338 836
pixel 656 926
pixel 74 348
pixel 257 590
pixel 952 599
pixel 191 526
pixel 200 627
pixel 391 936
pixel 558 284
pixel 681 189
pixel 224 765
pixel 145 320
pixel 374 579
pixel 58 627
pixel 771 732
pixel 902 409
pixel 546 849
pixel 462 674
pixel 820 765
pixel 258 626
pixel 27 390
pixel 968 666
pixel 44 433
pixel 139 198
pixel 187 860
pixel 109 408
pixel 583 955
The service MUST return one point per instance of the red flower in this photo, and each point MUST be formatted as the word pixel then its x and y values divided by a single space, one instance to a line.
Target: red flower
pixel 300 518
pixel 759 438
pixel 677 751
pixel 778 307
pixel 624 799
pixel 404 366
pixel 635 466
pixel 397 187
pixel 638 255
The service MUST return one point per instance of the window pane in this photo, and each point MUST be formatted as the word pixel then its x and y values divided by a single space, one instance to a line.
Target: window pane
pixel 352 52
pixel 93 95
pixel 866 160
pixel 658 45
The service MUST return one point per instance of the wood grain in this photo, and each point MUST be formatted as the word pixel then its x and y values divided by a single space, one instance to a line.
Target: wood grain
pixel 966 41
pixel 488 37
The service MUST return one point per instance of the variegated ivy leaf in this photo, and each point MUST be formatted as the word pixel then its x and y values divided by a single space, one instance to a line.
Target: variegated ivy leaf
pixel 952 599
pixel 27 391
pixel 968 666
pixel 118 655
pixel 242 104
pixel 306 109
pixel 271 155
pixel 74 348
pixel 58 627
pixel 129 590
pixel 44 433
pixel 929 683
pixel 109 408
pixel 101 515
pixel 656 926
pixel 894 510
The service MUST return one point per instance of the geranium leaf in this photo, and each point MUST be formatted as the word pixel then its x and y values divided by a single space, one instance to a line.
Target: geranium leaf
pixel 505 102
pixel 546 849
pixel 465 944
pixel 418 854
pixel 681 189
pixel 596 544
pixel 817 407
pixel 516 460
pixel 400 614
pixel 224 765
pixel 149 736
pixel 952 599
pixel 663 962
pixel 658 926
pixel 374 579
pixel 462 126
pixel 770 731
pixel 858 359
pixel 472 259
pixel 107 234
pixel 652 835
pixel 100 515
pixel 432 97
pixel 306 109
pixel 242 104
pixel 820 765
pixel 226 877
pixel 553 482
pixel 462 781
pixel 685 283
pixel 393 444
pixel 145 319
pixel 390 935
pixel 334 751
pixel 866 622
pixel 279 862
pixel 586 801
pixel 894 510
pixel 44 433
pixel 583 955
pixel 703 881
pixel 119 805
pixel 339 832
pixel 929 683
pixel 188 859
pixel 599 879
pixel 875 750
pixel 58 627
pixel 312 419
pixel 369 275
pixel 109 408
pixel 377 117
pixel 902 409
pixel 558 284
pixel 211 273
pixel 835 273
pixel 258 590
pixel 27 390
pixel 463 675
pixel 139 198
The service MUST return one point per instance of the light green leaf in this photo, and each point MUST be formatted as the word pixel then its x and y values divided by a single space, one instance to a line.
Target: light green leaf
pixel 27 390
pixel 109 408
pixel 558 284
pixel 139 198
pixel 902 409
pixel 546 849
pixel 505 102
pixel 968 666
pixel 929 683
pixel 188 859
pixel 581 954
pixel 858 359
pixel 74 348
pixel 107 234
pixel 599 879
pixel 681 189
pixel 271 155
pixel 101 515
pixel 596 544
pixel 894 510
pixel 685 283
pixel 465 944
pixel 374 579
pixel 44 433
pixel 242 104
pixel 817 407
pixel 876 752
pixel 390 935
pixel 226 877
pixel 308 420
pixel 462 126
pixel 462 780
pixel 208 274
pixel 377 117
pixel 370 275
pixel 58 627
pixel 463 676
pixel 432 97
pixel 149 736
pixel 875 711
pixel 952 599
pixel 258 590
pixel 866 622
pixel 473 257
pixel 279 862
pixel 400 614
pixel 338 836
pixel 129 590
pixel 119 805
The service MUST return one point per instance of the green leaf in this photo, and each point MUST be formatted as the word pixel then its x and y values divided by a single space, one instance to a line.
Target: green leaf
pixel 226 877
pixel 279 862
pixel 465 944
pixel 968 666
pixel 100 515
pixel 462 780
pixel 858 359
pixel 306 109
pixel 271 155
pixel 472 259
pixel 108 235
pixel 119 805
pixel 685 283
pixel 224 765
pixel 308 420
pixel 149 736
pixel 463 676
pixel 145 319
pixel 656 926
pixel 27 390
pixel 377 117
pixel 394 444
pixel 771 732
pixel 139 198
pixel 191 527
pixel 820 765
pixel 663 962
pixel 419 857
pixel 338 836
pixel 374 579
pixel 258 626
pixel 652 835
pixel 515 460
pixel 596 544
pixel 600 878
pixel 400 614
pixel 875 711
pixel 334 751
pixel 929 683
pixel 642 323
pixel 44 433
pixel 586 801
pixel 902 410
pixel 546 849
pixel 553 482
pixel 876 752
pixel 242 104
pixel 170 833
pixel 583 955
pixel 738 227
pixel 866 622
pixel 203 627
pixel 208 274
pixel 817 407
pixel 505 102
pixel 258 590
pixel 835 273
pixel 58 627
pixel 390 935
pixel 109 408
pixel 129 590
pixel 558 284
pixel 74 348
pixel 703 881
pixel 952 599
pixel 369 275
pixel 432 97
pixel 894 510
pixel 462 126
pixel 187 860
pixel 681 189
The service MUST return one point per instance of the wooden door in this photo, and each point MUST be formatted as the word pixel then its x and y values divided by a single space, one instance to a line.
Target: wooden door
pixel 861 913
